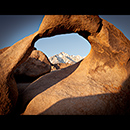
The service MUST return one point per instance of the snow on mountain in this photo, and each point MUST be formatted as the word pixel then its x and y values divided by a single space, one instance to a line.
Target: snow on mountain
pixel 65 58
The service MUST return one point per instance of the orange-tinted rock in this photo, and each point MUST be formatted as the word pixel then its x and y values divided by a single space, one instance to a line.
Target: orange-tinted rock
pixel 36 65
pixel 97 85
pixel 3 49
pixel 10 59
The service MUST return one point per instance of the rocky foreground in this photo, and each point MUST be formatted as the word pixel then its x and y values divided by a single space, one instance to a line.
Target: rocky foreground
pixel 97 85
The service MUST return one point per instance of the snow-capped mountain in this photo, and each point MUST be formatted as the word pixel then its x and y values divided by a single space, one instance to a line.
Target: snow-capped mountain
pixel 65 58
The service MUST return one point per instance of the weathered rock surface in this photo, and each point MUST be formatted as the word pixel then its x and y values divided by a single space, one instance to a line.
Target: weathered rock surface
pixel 42 84
pixel 10 59
pixel 59 24
pixel 99 84
pixel 3 49
pixel 22 86
pixel 36 65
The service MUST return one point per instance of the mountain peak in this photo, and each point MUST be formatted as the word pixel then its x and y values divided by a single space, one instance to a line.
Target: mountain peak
pixel 62 53
pixel 63 57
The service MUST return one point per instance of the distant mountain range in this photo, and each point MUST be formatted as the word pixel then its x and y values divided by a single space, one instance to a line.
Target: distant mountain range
pixel 65 58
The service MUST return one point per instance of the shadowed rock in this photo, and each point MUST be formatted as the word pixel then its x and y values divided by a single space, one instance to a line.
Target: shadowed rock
pixel 100 82
pixel 59 24
pixel 9 61
pixel 36 65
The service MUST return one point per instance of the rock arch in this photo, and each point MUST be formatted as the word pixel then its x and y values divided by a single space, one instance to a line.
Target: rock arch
pixel 97 85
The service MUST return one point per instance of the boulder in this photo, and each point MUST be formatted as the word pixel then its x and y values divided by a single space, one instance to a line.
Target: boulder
pixel 36 65
pixel 42 84
pixel 99 84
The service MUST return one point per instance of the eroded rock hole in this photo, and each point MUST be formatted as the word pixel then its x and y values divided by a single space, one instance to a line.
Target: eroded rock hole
pixel 65 48
pixel 52 53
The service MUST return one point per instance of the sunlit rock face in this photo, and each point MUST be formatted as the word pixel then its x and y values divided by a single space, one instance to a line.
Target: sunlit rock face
pixel 10 59
pixel 99 84
pixel 36 65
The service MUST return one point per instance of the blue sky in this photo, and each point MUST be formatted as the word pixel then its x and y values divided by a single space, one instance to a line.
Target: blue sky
pixel 72 44
pixel 15 27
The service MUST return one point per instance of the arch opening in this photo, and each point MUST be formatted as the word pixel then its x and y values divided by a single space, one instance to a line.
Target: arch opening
pixel 72 44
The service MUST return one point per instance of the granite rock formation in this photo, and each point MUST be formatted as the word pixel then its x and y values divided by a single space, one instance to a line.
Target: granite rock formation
pixel 99 84
pixel 65 58
pixel 3 49
pixel 10 59
pixel 36 65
